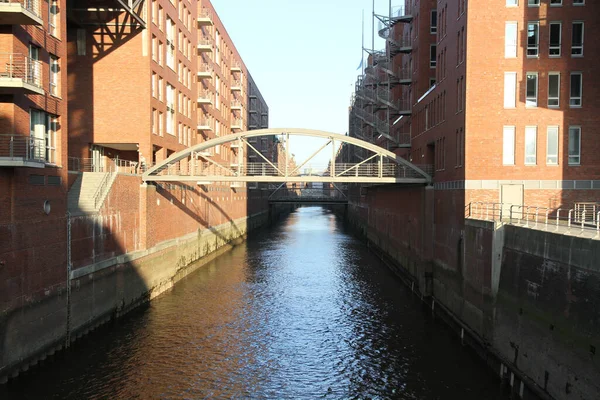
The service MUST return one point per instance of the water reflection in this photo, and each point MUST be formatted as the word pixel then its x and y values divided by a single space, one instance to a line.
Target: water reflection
pixel 302 311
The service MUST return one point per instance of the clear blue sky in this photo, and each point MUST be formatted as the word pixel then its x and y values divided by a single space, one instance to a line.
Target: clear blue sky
pixel 303 55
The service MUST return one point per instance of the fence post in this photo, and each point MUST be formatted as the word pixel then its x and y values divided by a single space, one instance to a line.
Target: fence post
pixel 583 220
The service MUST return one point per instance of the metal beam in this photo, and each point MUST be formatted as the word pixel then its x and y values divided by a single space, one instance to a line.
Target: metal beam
pixel 149 175
pixel 277 179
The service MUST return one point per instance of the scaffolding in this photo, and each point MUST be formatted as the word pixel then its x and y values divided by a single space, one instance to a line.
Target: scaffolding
pixel 375 103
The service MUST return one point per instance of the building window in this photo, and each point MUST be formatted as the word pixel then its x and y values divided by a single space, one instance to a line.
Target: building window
pixel 532 89
pixel 51 139
pixel 170 43
pixel 433 22
pixel 510 40
pixel 553 89
pixel 431 82
pixel 217 48
pixel 53 18
pixel 154 121
pixel 533 39
pixel 578 2
pixel 160 54
pixel 510 89
pixel 432 56
pixel 576 88
pixel 170 109
pixel 533 3
pixel 555 38
pixel 154 85
pixel 552 145
pixel 217 92
pixel 556 3
pixel 36 70
pixel 577 40
pixel 54 75
pixel 160 89
pixel 508 145
pixel 574 145
pixel 530 145
pixel 161 123
pixel 512 3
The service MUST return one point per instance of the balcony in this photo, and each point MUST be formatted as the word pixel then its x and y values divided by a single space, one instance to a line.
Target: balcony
pixel 20 12
pixel 19 73
pixel 236 124
pixel 204 125
pixel 236 86
pixel 22 151
pixel 402 45
pixel 204 46
pixel 236 67
pixel 205 18
pixel 236 106
pixel 205 72
pixel 204 98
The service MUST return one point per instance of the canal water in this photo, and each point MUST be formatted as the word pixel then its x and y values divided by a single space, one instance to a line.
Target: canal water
pixel 302 311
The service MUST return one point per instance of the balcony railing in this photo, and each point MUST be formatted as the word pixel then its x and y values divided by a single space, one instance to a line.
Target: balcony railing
pixel 204 97
pixel 17 149
pixel 204 45
pixel 205 17
pixel 21 12
pixel 18 67
pixel 205 71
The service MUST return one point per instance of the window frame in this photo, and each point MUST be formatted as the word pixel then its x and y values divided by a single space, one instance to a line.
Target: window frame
pixel 552 129
pixel 579 46
pixel 580 97
pixel 528 102
pixel 536 47
pixel 433 28
pixel 510 49
pixel 557 97
pixel 53 18
pixel 532 157
pixel 53 76
pixel 508 158
pixel 432 56
pixel 513 86
pixel 577 128
pixel 555 47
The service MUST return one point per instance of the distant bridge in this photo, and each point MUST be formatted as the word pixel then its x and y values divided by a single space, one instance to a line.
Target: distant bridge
pixel 197 163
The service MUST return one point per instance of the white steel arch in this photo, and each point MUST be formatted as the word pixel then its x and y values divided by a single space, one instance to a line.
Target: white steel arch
pixel 197 164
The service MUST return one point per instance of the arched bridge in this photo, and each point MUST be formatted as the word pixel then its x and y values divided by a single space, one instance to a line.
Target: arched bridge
pixel 201 163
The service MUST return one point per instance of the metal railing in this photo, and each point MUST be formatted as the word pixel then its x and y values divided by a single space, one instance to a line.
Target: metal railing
pixel 205 13
pixel 21 147
pixel 563 220
pixel 32 6
pixel 204 95
pixel 19 66
pixel 104 182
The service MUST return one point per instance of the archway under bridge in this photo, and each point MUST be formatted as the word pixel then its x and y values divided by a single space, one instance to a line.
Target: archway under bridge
pixel 200 164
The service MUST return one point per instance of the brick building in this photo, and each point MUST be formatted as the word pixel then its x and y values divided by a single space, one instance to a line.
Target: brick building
pixel 492 95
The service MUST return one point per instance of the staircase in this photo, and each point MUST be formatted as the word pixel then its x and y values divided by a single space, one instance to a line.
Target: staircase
pixel 89 191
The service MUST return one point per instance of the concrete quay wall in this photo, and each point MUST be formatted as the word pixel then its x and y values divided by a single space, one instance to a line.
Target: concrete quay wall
pixel 527 301
pixel 143 241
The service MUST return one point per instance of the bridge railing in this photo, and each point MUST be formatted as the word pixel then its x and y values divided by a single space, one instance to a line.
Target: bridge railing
pixel 562 220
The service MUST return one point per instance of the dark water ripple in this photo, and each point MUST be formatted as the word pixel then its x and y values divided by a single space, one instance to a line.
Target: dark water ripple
pixel 301 312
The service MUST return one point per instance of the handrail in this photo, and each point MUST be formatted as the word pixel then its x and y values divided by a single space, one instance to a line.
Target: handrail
pixel 19 66
pixel 532 217
pixel 24 147
pixel 32 6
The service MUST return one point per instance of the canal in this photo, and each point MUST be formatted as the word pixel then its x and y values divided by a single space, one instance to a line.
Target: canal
pixel 303 310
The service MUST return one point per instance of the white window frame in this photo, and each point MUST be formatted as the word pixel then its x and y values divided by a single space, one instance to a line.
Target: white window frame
pixel 533 3
pixel 511 39
pixel 574 158
pixel 52 127
pixel 577 50
pixel 512 3
pixel 53 75
pixel 529 101
pixel 170 109
pixel 576 101
pixel 508 145
pixel 53 18
pixel 432 27
pixel 533 50
pixel 550 46
pixel 170 37
pixel 554 101
pixel 510 90
pixel 531 132
pixel 552 157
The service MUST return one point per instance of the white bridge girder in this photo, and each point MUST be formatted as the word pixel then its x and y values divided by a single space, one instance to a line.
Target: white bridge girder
pixel 196 163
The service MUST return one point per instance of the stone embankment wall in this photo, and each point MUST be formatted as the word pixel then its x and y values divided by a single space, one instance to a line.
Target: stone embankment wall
pixel 528 301
pixel 144 239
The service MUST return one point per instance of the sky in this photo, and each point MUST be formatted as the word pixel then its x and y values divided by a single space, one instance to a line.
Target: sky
pixel 303 56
